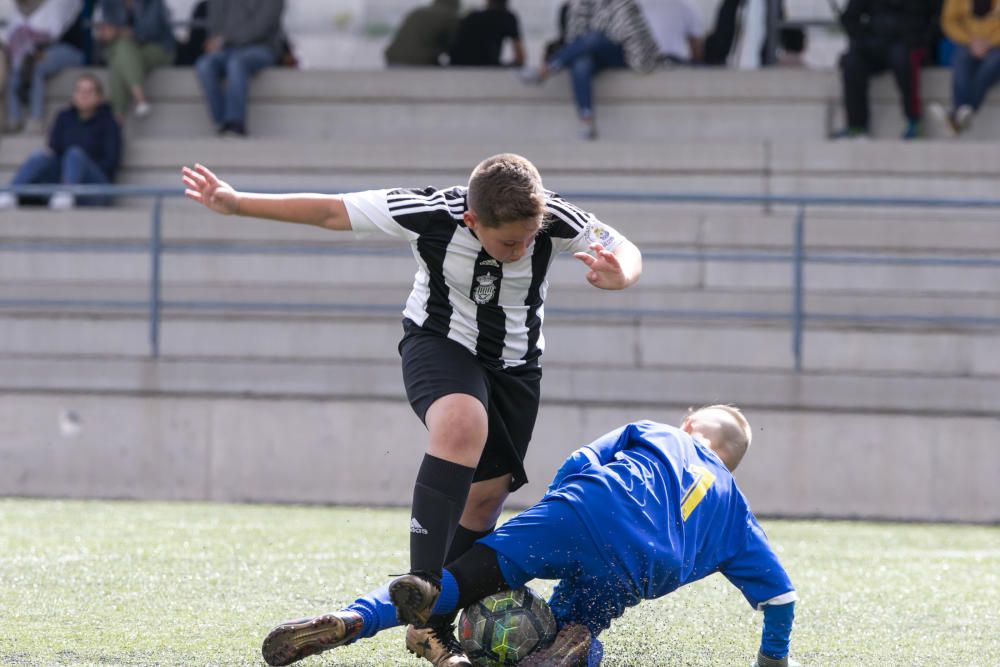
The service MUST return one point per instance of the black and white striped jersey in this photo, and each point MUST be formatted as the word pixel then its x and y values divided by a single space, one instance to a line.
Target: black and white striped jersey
pixel 493 309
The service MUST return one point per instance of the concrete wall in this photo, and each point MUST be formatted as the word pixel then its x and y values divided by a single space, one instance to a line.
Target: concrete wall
pixel 809 463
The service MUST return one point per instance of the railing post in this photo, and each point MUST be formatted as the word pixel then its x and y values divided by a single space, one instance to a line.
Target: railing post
pixel 155 239
pixel 798 307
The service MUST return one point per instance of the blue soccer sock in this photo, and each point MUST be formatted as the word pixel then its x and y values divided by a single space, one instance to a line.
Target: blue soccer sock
pixel 596 652
pixel 378 613
pixel 448 599
pixel 376 610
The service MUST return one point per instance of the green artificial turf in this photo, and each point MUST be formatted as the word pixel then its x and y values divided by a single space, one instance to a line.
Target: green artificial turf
pixel 124 583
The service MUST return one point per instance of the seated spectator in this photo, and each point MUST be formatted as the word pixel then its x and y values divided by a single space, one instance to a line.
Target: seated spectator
pixel 41 39
pixel 677 28
pixel 600 34
pixel 974 28
pixel 425 35
pixel 191 49
pixel 552 47
pixel 481 35
pixel 740 37
pixel 137 36
pixel 885 34
pixel 245 36
pixel 84 148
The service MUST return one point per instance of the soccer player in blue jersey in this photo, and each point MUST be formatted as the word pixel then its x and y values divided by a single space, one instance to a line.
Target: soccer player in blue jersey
pixel 634 515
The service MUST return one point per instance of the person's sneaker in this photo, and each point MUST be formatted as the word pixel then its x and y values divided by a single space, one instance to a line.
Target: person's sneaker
pixel 913 130
pixel 62 201
pixel 849 134
pixel 942 118
pixel 7 200
pixel 962 118
pixel 532 76
pixel 295 640
pixel 436 644
pixel 414 596
pixel 142 109
pixel 568 649
pixel 587 130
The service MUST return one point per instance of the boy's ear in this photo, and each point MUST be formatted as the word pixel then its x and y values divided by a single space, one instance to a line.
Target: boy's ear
pixel 471 219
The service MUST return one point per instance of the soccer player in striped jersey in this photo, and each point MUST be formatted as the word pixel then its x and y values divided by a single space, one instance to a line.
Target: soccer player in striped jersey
pixel 472 333
pixel 634 515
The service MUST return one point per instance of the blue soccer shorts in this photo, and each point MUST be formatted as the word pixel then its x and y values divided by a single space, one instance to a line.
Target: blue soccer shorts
pixel 549 541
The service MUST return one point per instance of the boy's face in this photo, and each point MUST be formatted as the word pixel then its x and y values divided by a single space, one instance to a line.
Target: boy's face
pixel 507 243
pixel 86 98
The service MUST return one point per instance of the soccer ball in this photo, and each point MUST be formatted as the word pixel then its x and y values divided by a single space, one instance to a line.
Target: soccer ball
pixel 502 628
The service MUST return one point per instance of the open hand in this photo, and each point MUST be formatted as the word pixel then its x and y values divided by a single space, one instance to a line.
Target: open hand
pixel 203 187
pixel 605 269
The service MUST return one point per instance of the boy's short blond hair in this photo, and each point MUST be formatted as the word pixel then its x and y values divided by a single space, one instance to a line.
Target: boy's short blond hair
pixel 506 188
pixel 732 434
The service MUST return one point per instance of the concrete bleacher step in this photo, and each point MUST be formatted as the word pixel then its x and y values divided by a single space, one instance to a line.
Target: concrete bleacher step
pixel 780 103
pixel 349 270
pixel 892 169
pixel 579 384
pixel 757 306
pixel 647 342
pixel 654 226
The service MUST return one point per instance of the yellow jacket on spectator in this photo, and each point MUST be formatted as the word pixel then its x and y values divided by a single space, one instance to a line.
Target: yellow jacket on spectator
pixel 962 23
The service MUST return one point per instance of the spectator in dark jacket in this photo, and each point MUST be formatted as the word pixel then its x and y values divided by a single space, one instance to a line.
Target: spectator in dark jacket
pixel 885 34
pixel 425 35
pixel 189 51
pixel 84 148
pixel 137 37
pixel 245 36
pixel 481 35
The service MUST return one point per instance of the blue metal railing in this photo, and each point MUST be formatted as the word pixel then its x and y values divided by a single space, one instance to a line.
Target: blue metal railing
pixel 797 257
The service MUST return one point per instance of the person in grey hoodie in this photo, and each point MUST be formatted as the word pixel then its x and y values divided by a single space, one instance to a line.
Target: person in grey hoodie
pixel 425 35
pixel 245 36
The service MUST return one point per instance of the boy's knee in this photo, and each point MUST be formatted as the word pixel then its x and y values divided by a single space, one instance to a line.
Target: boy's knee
pixel 74 154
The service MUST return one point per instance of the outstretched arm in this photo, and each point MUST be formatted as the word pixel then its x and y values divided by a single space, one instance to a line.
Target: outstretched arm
pixel 204 187
pixel 612 270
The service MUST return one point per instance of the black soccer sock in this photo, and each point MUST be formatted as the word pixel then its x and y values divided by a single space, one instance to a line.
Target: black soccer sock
pixel 477 573
pixel 463 540
pixel 438 500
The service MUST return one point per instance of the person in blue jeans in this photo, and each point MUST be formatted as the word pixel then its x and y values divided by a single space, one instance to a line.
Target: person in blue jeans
pixel 40 40
pixel 245 36
pixel 84 148
pixel 974 28
pixel 600 34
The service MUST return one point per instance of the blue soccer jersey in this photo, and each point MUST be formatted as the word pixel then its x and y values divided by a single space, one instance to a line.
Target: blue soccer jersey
pixel 667 512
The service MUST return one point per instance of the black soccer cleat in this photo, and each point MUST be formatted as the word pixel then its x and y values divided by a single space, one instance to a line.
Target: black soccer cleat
pixel 295 640
pixel 568 649
pixel 414 596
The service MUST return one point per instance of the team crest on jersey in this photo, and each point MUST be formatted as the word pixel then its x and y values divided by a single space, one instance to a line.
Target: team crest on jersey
pixel 598 233
pixel 490 262
pixel 486 289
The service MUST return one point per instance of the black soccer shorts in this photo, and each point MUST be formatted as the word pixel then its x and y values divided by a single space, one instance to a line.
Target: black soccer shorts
pixel 435 366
